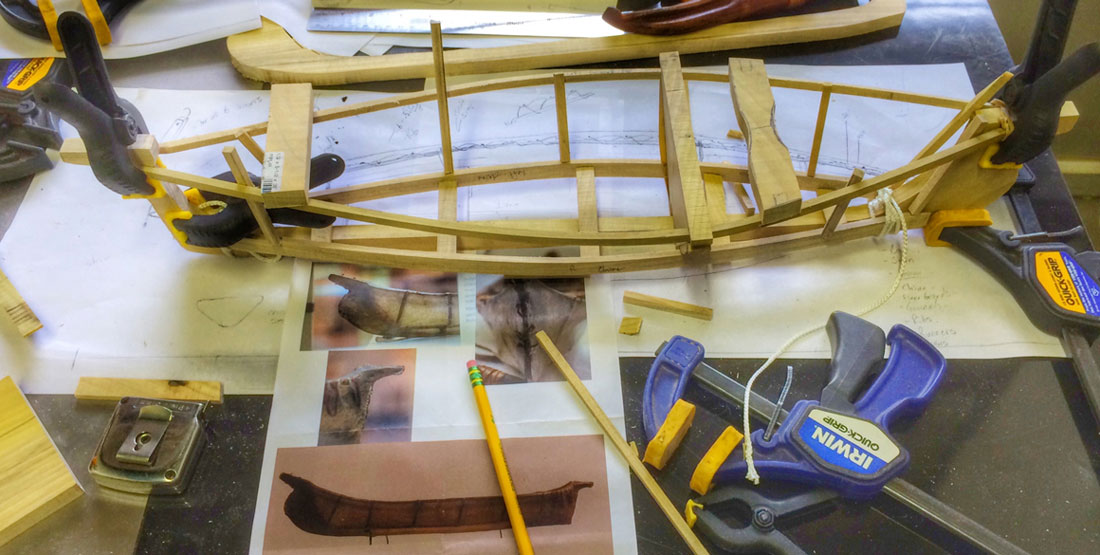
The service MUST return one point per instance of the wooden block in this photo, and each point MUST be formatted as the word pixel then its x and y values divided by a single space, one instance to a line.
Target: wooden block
pixel 113 389
pixel 703 477
pixel 771 173
pixel 666 305
pixel 35 481
pixel 144 150
pixel 289 146
pixel 687 200
pixel 670 434
pixel 631 325
pixel 962 183
pixel 13 304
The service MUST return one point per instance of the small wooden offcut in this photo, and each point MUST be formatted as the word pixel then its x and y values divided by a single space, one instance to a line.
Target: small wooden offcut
pixel 34 479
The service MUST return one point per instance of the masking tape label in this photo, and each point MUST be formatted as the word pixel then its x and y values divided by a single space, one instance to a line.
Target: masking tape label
pixel 21 74
pixel 272 180
pixel 1066 283
pixel 847 442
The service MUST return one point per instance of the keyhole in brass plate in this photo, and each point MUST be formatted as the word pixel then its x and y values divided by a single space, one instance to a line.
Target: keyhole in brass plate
pixel 142 439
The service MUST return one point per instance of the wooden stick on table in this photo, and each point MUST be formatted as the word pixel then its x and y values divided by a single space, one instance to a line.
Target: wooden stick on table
pixel 620 444
pixel 12 303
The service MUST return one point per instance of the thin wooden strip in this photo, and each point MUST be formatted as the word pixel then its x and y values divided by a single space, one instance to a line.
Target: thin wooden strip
pixel 834 217
pixel 448 212
pixel 549 267
pixel 587 212
pixel 819 130
pixel 240 173
pixel 964 115
pixel 667 305
pixel 562 110
pixel 771 174
pixel 716 202
pixel 629 455
pixel 573 76
pixel 686 197
pixel 250 145
pixel 441 100
pixel 13 304
pixel 113 389
pixel 546 170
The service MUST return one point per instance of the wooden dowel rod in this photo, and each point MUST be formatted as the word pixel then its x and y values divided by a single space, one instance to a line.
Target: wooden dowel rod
pixel 560 106
pixel 624 449
pixel 240 174
pixel 819 131
pixel 441 97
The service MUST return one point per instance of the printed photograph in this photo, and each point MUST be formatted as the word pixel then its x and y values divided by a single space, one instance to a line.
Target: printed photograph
pixel 509 314
pixel 439 497
pixel 354 306
pixel 368 397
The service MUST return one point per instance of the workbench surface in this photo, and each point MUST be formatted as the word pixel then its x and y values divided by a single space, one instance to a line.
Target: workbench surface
pixel 1011 443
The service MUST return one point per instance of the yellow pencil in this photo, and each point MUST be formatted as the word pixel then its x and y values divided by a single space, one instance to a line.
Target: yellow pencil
pixel 519 529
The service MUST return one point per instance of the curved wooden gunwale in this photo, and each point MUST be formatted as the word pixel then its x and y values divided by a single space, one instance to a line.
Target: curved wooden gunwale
pixel 536 237
pixel 577 76
pixel 549 267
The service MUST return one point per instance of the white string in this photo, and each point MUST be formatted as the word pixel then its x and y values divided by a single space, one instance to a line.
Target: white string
pixel 894 222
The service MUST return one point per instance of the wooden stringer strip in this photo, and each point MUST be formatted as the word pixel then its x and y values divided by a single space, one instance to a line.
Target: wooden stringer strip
pixel 258 211
pixel 834 215
pixel 441 98
pixel 687 199
pixel 587 214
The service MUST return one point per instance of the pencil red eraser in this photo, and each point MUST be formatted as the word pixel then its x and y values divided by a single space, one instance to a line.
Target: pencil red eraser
pixel 470 364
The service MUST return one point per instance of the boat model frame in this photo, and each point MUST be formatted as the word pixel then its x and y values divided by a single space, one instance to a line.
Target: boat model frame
pixel 699 231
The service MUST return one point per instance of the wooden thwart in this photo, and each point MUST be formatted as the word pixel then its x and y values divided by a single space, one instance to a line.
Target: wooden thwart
pixel 35 481
pixel 113 389
pixel 289 143
pixel 771 174
pixel 686 196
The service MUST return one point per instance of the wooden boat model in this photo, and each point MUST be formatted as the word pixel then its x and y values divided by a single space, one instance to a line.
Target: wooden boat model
pixel 699 230
pixel 319 511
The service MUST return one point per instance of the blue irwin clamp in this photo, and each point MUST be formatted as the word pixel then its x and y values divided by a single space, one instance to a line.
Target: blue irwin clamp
pixel 841 442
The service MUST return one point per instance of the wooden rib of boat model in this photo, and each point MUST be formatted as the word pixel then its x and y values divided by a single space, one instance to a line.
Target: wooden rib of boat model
pixel 319 511
pixel 699 230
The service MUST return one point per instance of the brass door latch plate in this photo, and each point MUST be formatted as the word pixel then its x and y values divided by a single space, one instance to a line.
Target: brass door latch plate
pixel 151 446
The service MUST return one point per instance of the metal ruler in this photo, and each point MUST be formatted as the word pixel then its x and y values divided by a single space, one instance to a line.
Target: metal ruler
pixel 462 22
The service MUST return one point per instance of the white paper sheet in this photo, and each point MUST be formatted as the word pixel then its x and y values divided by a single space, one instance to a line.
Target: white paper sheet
pixel 117 295
pixel 148 27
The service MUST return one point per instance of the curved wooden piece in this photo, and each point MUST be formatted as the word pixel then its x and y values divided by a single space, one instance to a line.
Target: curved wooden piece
pixel 270 54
